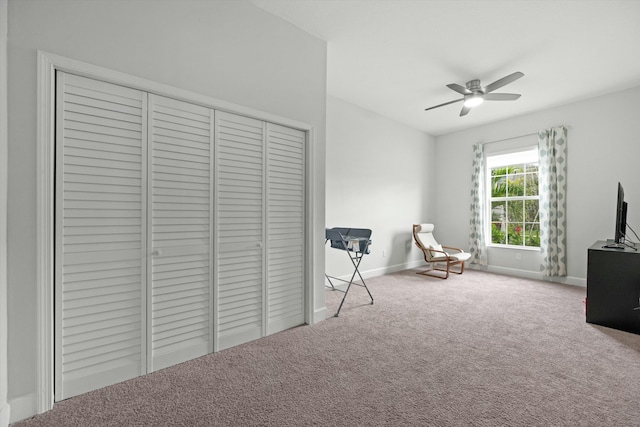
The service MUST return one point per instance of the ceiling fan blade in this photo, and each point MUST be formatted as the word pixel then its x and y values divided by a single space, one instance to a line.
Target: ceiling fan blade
pixel 442 105
pixel 503 81
pixel 501 96
pixel 458 88
pixel 465 110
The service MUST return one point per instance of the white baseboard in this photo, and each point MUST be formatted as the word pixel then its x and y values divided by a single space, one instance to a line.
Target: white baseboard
pixel 392 268
pixel 569 280
pixel 319 315
pixel 384 270
pixel 5 411
pixel 23 407
pixel 575 281
pixel 367 274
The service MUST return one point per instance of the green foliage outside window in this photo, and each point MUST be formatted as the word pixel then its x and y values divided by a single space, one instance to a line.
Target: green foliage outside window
pixel 514 205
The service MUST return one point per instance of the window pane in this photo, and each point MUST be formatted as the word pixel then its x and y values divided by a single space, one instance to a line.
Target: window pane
pixel 515 185
pixel 498 184
pixel 498 213
pixel 516 169
pixel 531 211
pixel 532 184
pixel 515 236
pixel 515 222
pixel 532 235
pixel 497 233
pixel 515 210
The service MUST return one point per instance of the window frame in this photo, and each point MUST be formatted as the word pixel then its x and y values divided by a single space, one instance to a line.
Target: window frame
pixel 521 156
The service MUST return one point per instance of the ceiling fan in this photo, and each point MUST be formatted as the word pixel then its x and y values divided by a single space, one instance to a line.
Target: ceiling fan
pixel 474 94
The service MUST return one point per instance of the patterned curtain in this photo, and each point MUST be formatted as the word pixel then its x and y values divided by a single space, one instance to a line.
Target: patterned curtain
pixel 477 242
pixel 552 157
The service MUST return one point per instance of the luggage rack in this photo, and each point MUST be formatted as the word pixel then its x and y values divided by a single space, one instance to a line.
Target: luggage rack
pixel 355 242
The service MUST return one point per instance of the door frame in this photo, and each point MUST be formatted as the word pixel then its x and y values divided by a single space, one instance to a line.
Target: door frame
pixel 47 65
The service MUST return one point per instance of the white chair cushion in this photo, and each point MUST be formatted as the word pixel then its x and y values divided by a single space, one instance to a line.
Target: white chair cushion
pixel 425 228
pixel 436 254
pixel 426 239
pixel 462 256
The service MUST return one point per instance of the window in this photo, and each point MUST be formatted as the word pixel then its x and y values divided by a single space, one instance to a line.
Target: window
pixel 513 199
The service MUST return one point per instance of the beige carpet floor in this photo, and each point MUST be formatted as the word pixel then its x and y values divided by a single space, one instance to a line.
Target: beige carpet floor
pixel 475 350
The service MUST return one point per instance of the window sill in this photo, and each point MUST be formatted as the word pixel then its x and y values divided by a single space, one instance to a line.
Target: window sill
pixel 512 247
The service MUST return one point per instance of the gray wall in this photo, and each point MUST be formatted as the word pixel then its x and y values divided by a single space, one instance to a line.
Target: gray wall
pixel 229 50
pixel 238 53
pixel 4 404
pixel 406 170
pixel 603 148
pixel 380 175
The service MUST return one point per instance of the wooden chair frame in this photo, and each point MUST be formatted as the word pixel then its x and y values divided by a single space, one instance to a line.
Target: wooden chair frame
pixel 436 261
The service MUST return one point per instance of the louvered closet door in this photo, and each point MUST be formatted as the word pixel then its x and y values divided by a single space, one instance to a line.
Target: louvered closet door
pixel 181 231
pixel 285 227
pixel 240 216
pixel 100 234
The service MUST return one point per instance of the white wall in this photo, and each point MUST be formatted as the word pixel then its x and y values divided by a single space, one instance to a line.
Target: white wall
pixel 229 50
pixel 603 148
pixel 381 176
pixel 4 406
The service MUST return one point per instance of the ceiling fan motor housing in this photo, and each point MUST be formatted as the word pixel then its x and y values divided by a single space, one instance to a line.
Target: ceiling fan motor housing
pixel 474 86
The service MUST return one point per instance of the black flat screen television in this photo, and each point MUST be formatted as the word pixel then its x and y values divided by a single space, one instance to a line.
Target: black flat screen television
pixel 621 217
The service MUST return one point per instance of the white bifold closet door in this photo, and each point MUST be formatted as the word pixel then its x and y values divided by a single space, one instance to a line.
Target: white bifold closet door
pixel 134 251
pixel 285 227
pixel 100 234
pixel 179 231
pixel 260 228
pixel 240 229
pixel 181 207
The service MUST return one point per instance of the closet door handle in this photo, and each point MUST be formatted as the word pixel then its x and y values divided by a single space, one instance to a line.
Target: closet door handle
pixel 259 245
pixel 156 252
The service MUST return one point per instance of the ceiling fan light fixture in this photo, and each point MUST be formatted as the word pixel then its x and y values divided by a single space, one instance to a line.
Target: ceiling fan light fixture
pixel 473 100
pixel 474 94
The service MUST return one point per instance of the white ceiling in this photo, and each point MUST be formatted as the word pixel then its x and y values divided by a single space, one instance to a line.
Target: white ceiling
pixel 395 57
